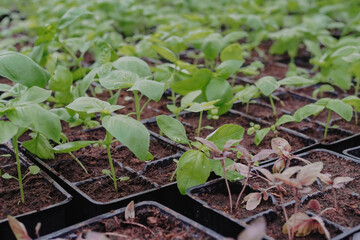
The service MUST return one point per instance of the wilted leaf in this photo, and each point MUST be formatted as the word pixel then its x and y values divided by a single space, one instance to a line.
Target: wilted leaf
pixel 240 168
pixel 263 154
pixel 252 200
pixel 339 182
pixel 130 211
pixel 309 173
pixel 18 229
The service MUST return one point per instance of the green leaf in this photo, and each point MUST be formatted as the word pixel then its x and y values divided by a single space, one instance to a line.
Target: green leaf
pixel 193 169
pixel 211 47
pixel 296 81
pixel 8 130
pixel 189 98
pixel 352 57
pixel 6 176
pixel 307 110
pixel 72 146
pixel 267 85
pixel 22 69
pixel 129 132
pixel 32 95
pixel 165 53
pixel 228 68
pixel 200 79
pixel 323 88
pixel 34 170
pixel 40 119
pixel 62 79
pixel 341 108
pixel 225 133
pixel 232 52
pixel 352 101
pixel 344 51
pixel 118 79
pixel 284 119
pixel 133 64
pixel 71 15
pixel 260 134
pixel 152 89
pixel 39 146
pixel 172 128
pixel 92 105
pixel 4 87
pixel 219 88
pixel 104 52
pixel 218 169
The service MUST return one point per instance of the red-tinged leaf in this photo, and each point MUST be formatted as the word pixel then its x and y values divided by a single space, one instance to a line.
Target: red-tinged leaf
pixel 209 144
pixel 245 152
pixel 309 173
pixel 230 143
pixel 255 231
pixel 239 167
pixel 291 171
pixel 326 178
pixel 263 154
pixel 299 224
pixel 18 229
pixel 282 145
pixel 130 211
pixel 279 165
pixel 266 173
pixel 252 200
pixel 265 194
pixel 321 227
pixel 314 205
pixel 339 182
pixel 287 180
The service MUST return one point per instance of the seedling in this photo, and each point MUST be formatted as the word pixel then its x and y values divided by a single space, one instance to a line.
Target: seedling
pixel 354 102
pixel 127 130
pixel 336 105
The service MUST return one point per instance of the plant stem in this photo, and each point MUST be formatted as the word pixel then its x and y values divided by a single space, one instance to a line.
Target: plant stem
pixel 143 106
pixel 78 161
pixel 356 117
pixel 16 148
pixel 243 188
pixel 272 105
pixel 285 214
pixel 227 184
pixel 327 123
pixel 357 87
pixel 111 162
pixel 199 126
pixel 137 105
pixel 78 62
pixel 247 107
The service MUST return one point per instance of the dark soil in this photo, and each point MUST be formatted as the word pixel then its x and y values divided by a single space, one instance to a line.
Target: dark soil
pixel 348 211
pixel 163 226
pixel 39 193
pixel 258 110
pixel 161 172
pixel 5 160
pixel 308 91
pixel 288 102
pixel 316 131
pixel 350 126
pixel 102 190
pixel 273 69
pixel 355 152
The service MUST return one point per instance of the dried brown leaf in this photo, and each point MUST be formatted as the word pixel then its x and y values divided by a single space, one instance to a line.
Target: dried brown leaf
pixel 130 211
pixel 18 229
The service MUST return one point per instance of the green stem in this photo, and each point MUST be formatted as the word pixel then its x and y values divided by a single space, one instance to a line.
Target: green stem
pixel 20 179
pixel 78 161
pixel 173 97
pixel 327 123
pixel 227 184
pixel 247 106
pixel 356 117
pixel 199 126
pixel 137 105
pixel 111 167
pixel 272 105
pixel 78 62
pixel 357 87
pixel 143 107
pixel 92 91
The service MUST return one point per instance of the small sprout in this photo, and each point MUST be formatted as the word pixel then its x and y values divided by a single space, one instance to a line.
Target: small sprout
pixel 302 225
pixel 255 231
pixel 253 128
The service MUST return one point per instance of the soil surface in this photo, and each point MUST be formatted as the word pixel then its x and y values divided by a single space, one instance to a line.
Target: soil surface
pixel 5 159
pixel 308 92
pixel 161 172
pixel 316 131
pixel 288 102
pixel 103 190
pixel 258 110
pixel 39 193
pixel 350 126
pixel 162 226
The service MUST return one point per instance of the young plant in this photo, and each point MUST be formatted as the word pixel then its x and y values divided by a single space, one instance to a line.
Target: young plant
pixel 354 102
pixel 340 107
pixel 125 129
pixel 134 74
pixel 194 166
pixel 302 225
